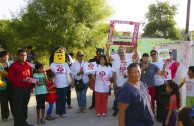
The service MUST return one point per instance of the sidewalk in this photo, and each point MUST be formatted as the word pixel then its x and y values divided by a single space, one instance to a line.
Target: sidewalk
pixel 73 119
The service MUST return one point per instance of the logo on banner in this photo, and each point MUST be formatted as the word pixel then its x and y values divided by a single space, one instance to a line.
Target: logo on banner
pixel 90 66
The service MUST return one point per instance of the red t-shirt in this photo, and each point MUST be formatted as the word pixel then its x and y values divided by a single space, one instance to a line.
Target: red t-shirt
pixel 17 72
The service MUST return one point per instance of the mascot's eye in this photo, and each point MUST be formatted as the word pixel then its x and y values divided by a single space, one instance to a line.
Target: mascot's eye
pixel 61 55
pixel 58 55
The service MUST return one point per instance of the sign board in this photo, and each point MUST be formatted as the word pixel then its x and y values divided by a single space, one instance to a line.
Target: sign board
pixel 163 54
pixel 134 37
pixel 90 67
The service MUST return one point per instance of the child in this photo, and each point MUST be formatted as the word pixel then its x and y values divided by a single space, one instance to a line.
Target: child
pixel 40 92
pixel 186 117
pixel 51 95
pixel 170 115
pixel 189 80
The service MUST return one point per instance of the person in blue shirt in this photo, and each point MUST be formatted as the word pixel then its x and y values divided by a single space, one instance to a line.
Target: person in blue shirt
pixel 40 92
pixel 134 101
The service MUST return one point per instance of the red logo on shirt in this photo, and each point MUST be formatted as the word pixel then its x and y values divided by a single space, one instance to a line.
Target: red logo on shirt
pixel 90 66
pixel 60 70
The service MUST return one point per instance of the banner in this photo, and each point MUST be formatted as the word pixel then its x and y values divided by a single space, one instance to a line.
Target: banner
pixel 135 32
pixel 90 67
pixel 106 81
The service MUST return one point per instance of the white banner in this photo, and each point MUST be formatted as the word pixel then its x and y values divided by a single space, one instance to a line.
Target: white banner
pixel 90 67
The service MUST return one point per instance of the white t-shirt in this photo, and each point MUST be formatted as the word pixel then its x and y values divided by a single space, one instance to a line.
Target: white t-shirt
pixel 120 67
pixel 189 86
pixel 60 70
pixel 75 68
pixel 116 57
pixel 158 79
pixel 100 86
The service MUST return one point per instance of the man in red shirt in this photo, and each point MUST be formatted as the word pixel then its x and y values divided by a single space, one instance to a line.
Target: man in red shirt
pixel 19 73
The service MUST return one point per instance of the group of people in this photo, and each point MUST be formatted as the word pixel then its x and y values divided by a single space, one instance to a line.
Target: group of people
pixel 137 82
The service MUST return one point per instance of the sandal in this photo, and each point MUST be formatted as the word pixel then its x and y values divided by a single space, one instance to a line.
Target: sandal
pixel 49 118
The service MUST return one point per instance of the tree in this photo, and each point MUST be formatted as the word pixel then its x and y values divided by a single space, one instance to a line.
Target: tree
pixel 161 21
pixel 70 23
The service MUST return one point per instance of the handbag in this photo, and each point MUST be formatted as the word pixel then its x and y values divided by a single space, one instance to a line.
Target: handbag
pixel 69 80
pixel 79 85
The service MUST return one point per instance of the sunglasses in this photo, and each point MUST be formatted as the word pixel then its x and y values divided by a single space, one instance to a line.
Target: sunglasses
pixel 81 55
pixel 170 52
pixel 153 54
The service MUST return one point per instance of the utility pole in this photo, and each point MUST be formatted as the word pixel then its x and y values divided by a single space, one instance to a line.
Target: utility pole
pixel 187 37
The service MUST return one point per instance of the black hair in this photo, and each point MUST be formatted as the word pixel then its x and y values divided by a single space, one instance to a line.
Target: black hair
pixel 71 54
pixel 50 73
pixel 3 53
pixel 185 117
pixel 131 66
pixel 29 47
pixel 37 66
pixel 175 90
pixel 191 68
pixel 20 51
pixel 145 55
pixel 153 51
pixel 105 58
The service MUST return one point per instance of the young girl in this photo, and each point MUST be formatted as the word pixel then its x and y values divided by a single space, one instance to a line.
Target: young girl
pixel 186 117
pixel 170 115
pixel 51 95
pixel 40 92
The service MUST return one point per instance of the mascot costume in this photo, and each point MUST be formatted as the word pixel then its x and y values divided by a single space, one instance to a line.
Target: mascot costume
pixel 61 70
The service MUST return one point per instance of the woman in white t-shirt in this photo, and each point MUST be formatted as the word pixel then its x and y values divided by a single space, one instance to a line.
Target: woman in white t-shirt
pixel 103 76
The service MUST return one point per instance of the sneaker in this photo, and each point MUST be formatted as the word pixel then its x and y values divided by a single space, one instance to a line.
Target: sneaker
pixel 98 115
pixel 4 119
pixel 83 110
pixel 49 118
pixel 79 110
pixel 115 114
pixel 57 116
pixel 91 107
pixel 63 115
pixel 103 114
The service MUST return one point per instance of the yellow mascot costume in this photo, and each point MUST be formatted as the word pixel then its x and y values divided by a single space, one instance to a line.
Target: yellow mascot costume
pixel 61 69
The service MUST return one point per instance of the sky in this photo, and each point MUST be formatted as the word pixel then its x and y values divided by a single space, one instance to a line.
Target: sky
pixel 129 10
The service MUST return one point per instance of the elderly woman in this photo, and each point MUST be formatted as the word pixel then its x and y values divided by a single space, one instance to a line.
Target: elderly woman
pixel 82 79
pixel 134 102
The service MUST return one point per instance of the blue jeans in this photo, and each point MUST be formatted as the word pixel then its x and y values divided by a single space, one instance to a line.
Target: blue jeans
pixel 81 97
pixel 61 100
pixel 49 111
